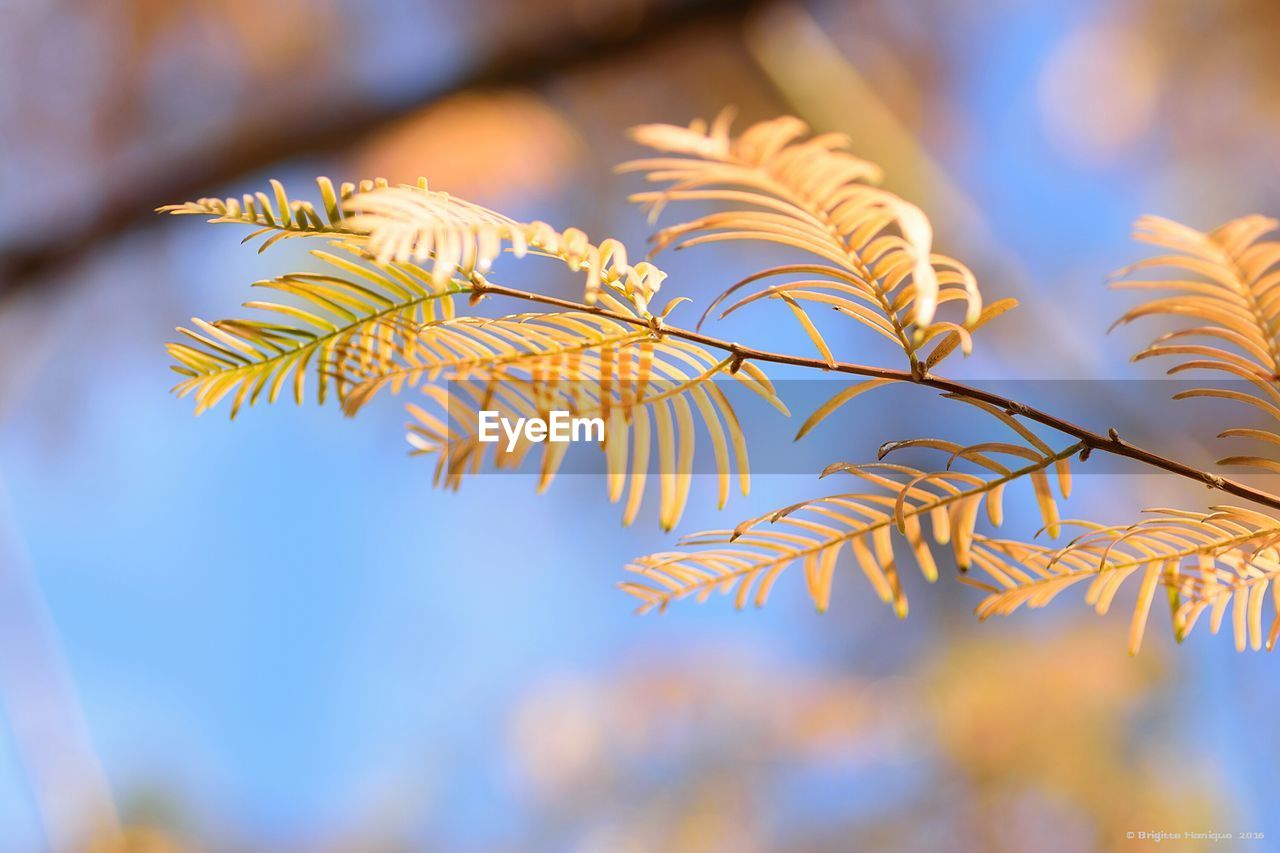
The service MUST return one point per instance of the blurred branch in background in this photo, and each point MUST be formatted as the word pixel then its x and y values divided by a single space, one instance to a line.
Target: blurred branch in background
pixel 325 125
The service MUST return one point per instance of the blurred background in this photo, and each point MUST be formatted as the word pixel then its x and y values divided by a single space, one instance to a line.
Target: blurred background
pixel 274 635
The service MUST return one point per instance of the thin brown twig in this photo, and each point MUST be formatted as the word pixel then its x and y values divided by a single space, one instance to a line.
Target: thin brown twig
pixel 1093 441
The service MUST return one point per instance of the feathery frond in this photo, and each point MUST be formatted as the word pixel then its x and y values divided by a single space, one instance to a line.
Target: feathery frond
pixel 1225 279
pixel 747 560
pixel 645 390
pixel 415 224
pixel 545 345
pixel 403 224
pixel 1205 560
pixel 875 262
pixel 285 218
pixel 381 317
pixel 350 307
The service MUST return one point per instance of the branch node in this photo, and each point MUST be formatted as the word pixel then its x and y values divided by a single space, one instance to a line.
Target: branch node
pixel 1016 408
pixel 1114 436
pixel 735 359
pixel 1085 452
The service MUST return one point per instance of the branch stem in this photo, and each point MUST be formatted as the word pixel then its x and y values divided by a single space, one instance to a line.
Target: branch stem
pixel 1093 441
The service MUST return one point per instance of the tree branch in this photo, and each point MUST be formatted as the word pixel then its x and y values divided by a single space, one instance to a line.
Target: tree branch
pixel 1092 441
pixel 328 128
